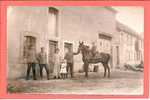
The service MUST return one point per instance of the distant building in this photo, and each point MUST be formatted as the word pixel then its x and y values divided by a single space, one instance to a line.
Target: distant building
pixel 130 46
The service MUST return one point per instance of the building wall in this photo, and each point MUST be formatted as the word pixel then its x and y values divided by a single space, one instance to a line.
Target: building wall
pixel 22 21
pixel 74 24
pixel 128 53
pixel 85 24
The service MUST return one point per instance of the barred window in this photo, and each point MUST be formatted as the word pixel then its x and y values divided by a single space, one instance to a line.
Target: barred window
pixel 53 21
pixel 28 42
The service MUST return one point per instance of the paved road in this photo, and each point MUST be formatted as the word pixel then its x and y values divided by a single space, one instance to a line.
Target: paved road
pixel 121 82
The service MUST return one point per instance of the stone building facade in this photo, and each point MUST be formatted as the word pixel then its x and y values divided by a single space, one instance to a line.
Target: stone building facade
pixel 130 46
pixel 62 27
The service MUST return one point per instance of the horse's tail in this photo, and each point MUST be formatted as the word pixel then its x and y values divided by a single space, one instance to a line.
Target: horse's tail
pixel 109 59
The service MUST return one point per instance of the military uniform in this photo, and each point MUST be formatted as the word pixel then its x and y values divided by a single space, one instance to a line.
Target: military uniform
pixel 31 62
pixel 42 58
pixel 69 58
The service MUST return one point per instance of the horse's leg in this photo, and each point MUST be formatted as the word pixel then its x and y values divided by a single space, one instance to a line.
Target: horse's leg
pixel 108 70
pixel 104 65
pixel 86 69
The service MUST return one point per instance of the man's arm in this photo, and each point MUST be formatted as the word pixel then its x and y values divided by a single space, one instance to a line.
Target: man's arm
pixel 38 57
pixel 46 57
pixel 76 52
pixel 66 55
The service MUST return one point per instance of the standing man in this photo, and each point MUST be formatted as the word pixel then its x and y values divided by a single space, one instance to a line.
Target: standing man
pixel 69 58
pixel 94 49
pixel 31 62
pixel 42 58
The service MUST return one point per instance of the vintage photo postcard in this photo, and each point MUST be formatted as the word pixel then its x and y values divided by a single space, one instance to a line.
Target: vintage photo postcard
pixel 68 50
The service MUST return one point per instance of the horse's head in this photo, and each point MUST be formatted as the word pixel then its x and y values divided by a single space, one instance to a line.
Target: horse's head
pixel 81 45
pixel 80 48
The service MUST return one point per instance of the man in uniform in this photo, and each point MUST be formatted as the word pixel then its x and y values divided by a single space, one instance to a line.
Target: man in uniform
pixel 69 58
pixel 31 62
pixel 42 58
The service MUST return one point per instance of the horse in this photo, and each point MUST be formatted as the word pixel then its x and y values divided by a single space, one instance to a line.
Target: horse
pixel 87 58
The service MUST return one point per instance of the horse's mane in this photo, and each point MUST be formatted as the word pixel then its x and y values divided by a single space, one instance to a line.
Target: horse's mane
pixel 86 48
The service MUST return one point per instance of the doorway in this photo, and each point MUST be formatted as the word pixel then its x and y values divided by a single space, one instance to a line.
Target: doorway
pixel 117 50
pixel 52 47
pixel 68 46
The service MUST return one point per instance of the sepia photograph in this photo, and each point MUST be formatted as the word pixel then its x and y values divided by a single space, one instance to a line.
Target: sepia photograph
pixel 75 50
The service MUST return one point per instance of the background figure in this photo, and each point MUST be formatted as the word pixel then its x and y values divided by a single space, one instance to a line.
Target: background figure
pixel 93 49
pixel 63 69
pixel 69 58
pixel 31 62
pixel 57 58
pixel 42 58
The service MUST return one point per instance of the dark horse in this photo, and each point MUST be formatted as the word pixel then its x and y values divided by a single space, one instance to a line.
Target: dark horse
pixel 87 59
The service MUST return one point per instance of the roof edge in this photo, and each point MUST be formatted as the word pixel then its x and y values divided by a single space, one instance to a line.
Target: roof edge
pixel 111 9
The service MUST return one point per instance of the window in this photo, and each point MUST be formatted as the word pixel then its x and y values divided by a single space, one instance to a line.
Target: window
pixel 105 42
pixel 53 21
pixel 128 39
pixel 103 36
pixel 134 55
pixel 100 43
pixel 28 41
pixel 131 39
pixel 128 55
pixel 121 37
pixel 141 44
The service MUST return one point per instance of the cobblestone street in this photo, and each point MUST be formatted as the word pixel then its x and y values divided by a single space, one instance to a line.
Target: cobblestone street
pixel 120 82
